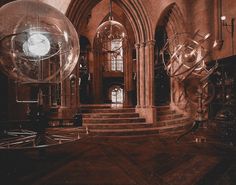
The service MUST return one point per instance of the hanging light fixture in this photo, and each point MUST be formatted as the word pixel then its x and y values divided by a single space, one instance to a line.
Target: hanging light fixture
pixel 111 31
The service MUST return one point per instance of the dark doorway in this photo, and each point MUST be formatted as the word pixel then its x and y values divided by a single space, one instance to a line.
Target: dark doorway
pixel 3 96
pixel 84 82
pixel 162 80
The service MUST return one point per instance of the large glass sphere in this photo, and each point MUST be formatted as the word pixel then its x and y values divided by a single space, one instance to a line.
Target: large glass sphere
pixel 38 43
pixel 111 32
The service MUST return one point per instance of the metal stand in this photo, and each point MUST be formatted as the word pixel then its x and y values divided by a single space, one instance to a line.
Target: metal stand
pixel 199 119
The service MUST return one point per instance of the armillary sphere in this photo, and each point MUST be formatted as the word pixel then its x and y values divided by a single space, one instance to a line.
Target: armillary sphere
pixel 184 56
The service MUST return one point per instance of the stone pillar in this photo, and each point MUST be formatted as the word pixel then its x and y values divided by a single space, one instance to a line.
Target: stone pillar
pixel 77 93
pixel 63 87
pixel 149 74
pixel 128 76
pixel 74 88
pixel 137 46
pixel 141 70
pixel 145 83
pixel 63 93
pixel 91 73
pixel 97 78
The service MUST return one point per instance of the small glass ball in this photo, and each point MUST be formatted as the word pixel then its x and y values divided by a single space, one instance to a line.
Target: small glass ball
pixel 111 31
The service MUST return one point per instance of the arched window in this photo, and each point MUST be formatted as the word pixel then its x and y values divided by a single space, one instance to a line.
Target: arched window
pixel 117 55
pixel 117 95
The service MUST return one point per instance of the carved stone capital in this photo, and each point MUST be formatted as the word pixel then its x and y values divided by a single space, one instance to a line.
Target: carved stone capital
pixel 151 43
pixel 142 45
pixel 137 46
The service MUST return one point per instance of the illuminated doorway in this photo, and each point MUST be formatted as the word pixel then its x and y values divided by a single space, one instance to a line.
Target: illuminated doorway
pixel 117 95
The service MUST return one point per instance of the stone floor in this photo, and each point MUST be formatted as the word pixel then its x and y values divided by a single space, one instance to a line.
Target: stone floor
pixel 146 160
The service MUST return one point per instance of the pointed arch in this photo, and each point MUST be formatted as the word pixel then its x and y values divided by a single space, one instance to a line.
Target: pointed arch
pixel 79 12
pixel 172 19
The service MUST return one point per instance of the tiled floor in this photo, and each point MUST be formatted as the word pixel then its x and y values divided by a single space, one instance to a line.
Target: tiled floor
pixel 146 160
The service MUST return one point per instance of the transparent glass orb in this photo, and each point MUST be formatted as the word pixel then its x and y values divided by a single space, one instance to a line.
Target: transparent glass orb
pixel 108 32
pixel 38 43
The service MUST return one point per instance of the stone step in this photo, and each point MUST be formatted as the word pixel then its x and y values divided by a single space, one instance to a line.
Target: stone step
pixel 113 120
pixel 110 115
pixel 175 132
pixel 116 125
pixel 175 128
pixel 169 116
pixel 95 106
pixel 111 110
pixel 165 112
pixel 173 121
pixel 124 132
pixel 100 106
pixel 105 120
pixel 69 130
pixel 163 108
pixel 179 128
pixel 73 132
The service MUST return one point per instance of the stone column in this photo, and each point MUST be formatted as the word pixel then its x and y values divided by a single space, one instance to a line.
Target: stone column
pixel 77 93
pixel 137 46
pixel 63 87
pixel 149 73
pixel 63 93
pixel 128 76
pixel 91 73
pixel 141 70
pixel 97 82
pixel 74 89
pixel 145 80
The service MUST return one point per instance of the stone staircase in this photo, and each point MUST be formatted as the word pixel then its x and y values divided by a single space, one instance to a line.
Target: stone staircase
pixel 108 121
pixel 114 121
pixel 171 122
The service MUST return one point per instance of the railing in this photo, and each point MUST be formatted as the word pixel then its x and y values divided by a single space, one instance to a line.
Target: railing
pixel 54 122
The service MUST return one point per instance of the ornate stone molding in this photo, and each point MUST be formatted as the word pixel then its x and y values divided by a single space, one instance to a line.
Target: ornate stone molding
pixel 151 43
